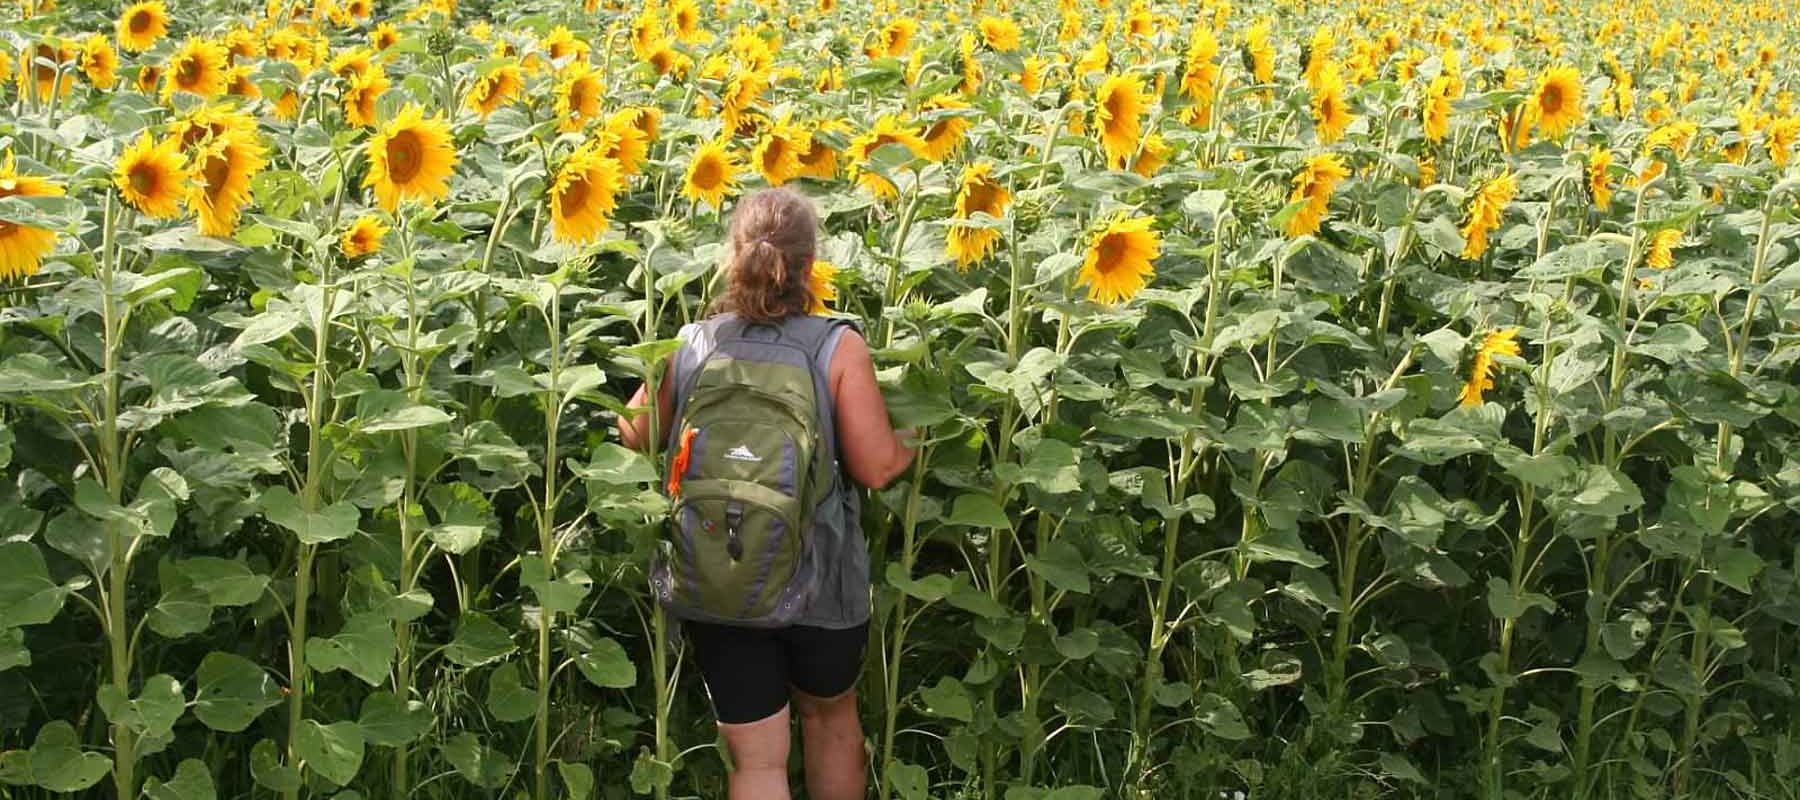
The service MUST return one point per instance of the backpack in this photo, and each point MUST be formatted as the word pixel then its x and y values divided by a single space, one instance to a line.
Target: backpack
pixel 751 456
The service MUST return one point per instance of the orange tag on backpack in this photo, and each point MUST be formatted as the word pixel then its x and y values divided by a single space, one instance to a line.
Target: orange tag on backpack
pixel 679 465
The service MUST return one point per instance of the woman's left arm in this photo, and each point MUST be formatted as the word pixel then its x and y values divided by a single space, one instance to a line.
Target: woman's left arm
pixel 634 430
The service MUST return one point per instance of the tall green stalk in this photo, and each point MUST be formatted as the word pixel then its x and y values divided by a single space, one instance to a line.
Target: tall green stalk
pixel 899 622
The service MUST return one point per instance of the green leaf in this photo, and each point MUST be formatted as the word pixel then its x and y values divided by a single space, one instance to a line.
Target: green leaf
pixel 224 581
pixel 478 641
pixel 948 698
pixel 192 781
pixel 614 465
pixel 930 588
pixel 388 721
pixel 232 692
pixel 27 595
pixel 978 511
pixel 607 666
pixel 910 781
pixel 1603 492
pixel 1736 567
pixel 561 595
pixel 507 698
pixel 1077 792
pixel 1220 717
pixel 155 710
pixel 965 596
pixel 649 774
pixel 1397 767
pixel 268 771
pixel 578 779
pixel 334 751
pixel 477 764
pixel 58 763
pixel 183 610
pixel 332 523
pixel 1061 564
pixel 1053 466
pixel 364 648
pixel 1505 604
pixel 13 652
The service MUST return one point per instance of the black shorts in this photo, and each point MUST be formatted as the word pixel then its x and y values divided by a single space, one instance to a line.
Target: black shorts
pixel 749 671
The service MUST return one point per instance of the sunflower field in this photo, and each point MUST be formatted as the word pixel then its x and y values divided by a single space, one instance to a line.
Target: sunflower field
pixel 1342 400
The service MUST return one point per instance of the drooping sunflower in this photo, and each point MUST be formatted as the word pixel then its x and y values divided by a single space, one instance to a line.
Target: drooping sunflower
pixel 287 106
pixel 584 195
pixel 1485 212
pixel 1000 34
pixel 411 158
pixel 1437 109
pixel 150 175
pixel 1153 156
pixel 148 76
pixel 352 62
pixel 384 36
pixel 971 66
pixel 198 68
pixel 1313 185
pixel 219 184
pixel 578 96
pixel 22 247
pixel 495 89
pixel 821 285
pixel 946 133
pixel 819 160
pixel 777 155
pixel 1661 254
pixel 1481 368
pixel 361 96
pixel 1200 76
pixel 1331 114
pixel 1118 116
pixel 1259 53
pixel 711 175
pixel 99 62
pixel 624 143
pixel 1599 178
pixel 1096 59
pixel 565 47
pixel 142 25
pixel 1558 100
pixel 1118 259
pixel 363 236
pixel 1031 74
pixel 978 194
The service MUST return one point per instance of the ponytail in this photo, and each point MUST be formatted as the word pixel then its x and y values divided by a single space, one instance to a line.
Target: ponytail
pixel 771 247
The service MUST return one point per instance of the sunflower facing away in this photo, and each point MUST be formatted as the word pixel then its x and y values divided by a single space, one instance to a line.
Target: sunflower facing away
pixel 411 158
pixel 362 94
pixel 1481 367
pixel 1031 74
pixel 1662 248
pixel 495 89
pixel 777 155
pixel 978 194
pixel 198 68
pixel 363 237
pixel 711 175
pixel 821 282
pixel 219 185
pixel 1436 109
pixel 1313 186
pixel 22 247
pixel 1000 34
pixel 578 96
pixel 1599 178
pixel 1259 53
pixel 1331 115
pixel 584 195
pixel 1118 116
pixel 1484 213
pixel 99 62
pixel 142 25
pixel 151 174
pixel 1118 260
pixel 1558 100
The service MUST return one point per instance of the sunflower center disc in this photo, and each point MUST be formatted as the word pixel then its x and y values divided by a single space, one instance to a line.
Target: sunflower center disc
pixel 403 156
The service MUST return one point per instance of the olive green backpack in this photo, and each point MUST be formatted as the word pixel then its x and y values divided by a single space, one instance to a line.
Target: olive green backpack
pixel 751 456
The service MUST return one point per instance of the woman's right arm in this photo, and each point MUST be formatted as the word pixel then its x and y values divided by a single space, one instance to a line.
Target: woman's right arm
pixel 873 452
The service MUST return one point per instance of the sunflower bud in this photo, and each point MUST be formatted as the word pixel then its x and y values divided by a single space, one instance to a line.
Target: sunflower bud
pixel 440 42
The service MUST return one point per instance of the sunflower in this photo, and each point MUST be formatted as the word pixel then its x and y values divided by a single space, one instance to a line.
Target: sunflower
pixel 1096 59
pixel 740 94
pixel 647 119
pixel 1118 260
pixel 1485 212
pixel 1151 157
pixel 22 247
pixel 564 47
pixel 666 60
pixel 220 181
pixel 971 66
pixel 495 89
pixel 287 106
pixel 198 67
pixel 1481 369
pixel 361 96
pixel 150 174
pixel 1331 115
pixel 41 65
pixel 203 122
pixel 624 142
pixel 711 175
pixel 584 195
pixel 1779 138
pixel 1661 254
pixel 1199 73
pixel 352 62
pixel 411 158
pixel 142 24
pixel 363 237
pixel 1118 116
pixel 1031 74
pixel 1317 56
pixel 384 36
pixel 777 156
pixel 1599 179
pixel 359 9
pixel 886 131
pixel 1259 53
pixel 819 160
pixel 148 76
pixel 945 134
pixel 1558 100
pixel 99 62
pixel 1313 186
pixel 578 96
pixel 1437 109
pixel 979 193
pixel 895 37
pixel 821 285
pixel 686 16
pixel 1000 34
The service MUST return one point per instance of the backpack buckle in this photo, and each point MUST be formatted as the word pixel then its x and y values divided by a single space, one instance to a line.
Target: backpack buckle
pixel 734 519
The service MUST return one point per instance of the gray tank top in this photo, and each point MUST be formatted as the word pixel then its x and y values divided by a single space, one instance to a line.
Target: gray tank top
pixel 842 600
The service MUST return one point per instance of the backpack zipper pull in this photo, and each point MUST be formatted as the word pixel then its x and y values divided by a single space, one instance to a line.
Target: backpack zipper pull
pixel 734 518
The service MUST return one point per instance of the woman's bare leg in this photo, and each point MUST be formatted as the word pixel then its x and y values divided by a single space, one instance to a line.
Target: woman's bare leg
pixel 832 743
pixel 759 755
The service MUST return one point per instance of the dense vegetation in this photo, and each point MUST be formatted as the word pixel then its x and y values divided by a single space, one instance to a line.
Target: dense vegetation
pixel 1320 400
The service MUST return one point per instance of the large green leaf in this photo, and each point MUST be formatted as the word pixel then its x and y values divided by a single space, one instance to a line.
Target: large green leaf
pixel 477 764
pixel 388 721
pixel 192 781
pixel 334 751
pixel 606 665
pixel 152 713
pixel 478 641
pixel 364 648
pixel 329 524
pixel 507 697
pixel 232 692
pixel 27 595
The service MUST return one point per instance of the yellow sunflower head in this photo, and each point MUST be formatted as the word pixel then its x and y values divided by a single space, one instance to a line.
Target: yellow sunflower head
pixel 197 68
pixel 578 96
pixel 1118 262
pixel 142 25
pixel 363 236
pixel 219 180
pixel 384 36
pixel 1558 100
pixel 1000 34
pixel 411 158
pixel 1503 342
pixel 777 156
pixel 361 95
pixel 584 195
pixel 711 175
pixel 978 193
pixel 1313 187
pixel 22 247
pixel 944 134
pixel 99 62
pixel 821 280
pixel 496 89
pixel 1118 116
pixel 1331 113
pixel 151 176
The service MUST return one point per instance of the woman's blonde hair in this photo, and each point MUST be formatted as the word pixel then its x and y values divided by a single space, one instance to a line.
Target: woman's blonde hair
pixel 770 247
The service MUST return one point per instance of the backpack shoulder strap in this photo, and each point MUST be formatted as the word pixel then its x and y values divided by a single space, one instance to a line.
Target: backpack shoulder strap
pixel 699 341
pixel 818 336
